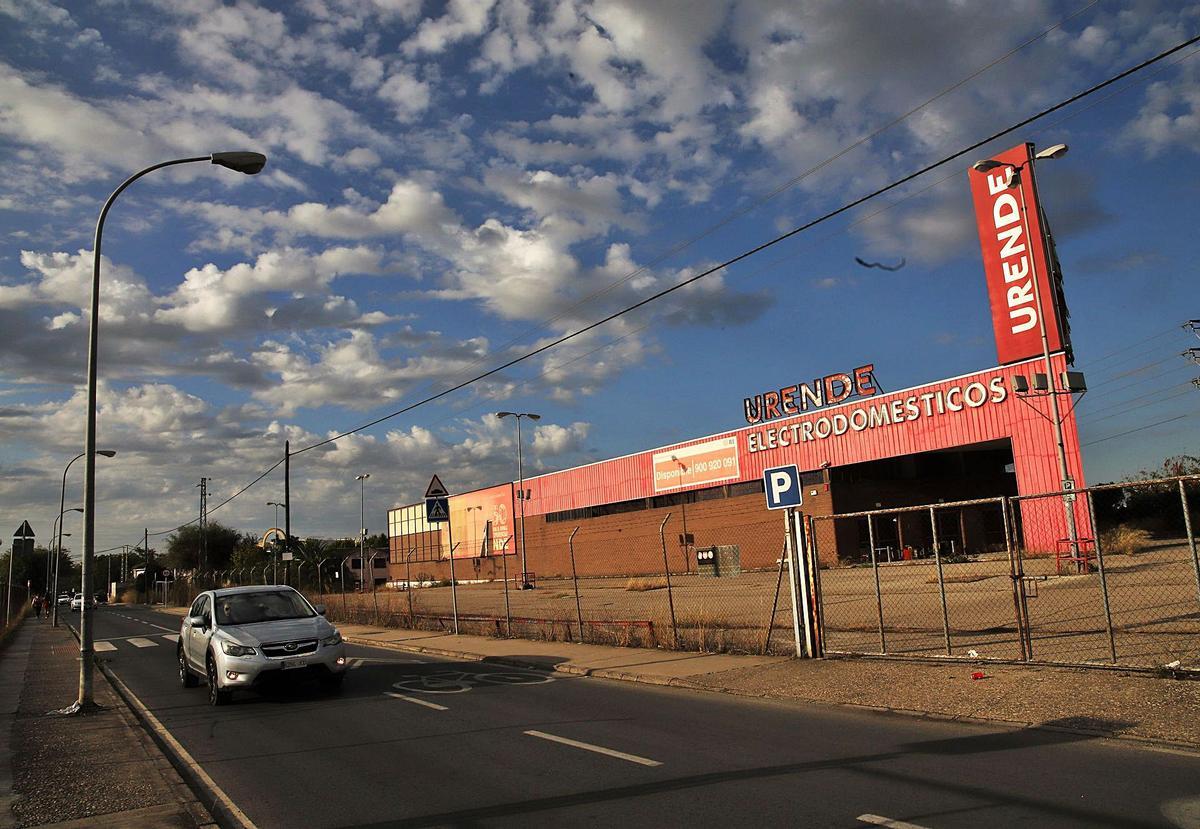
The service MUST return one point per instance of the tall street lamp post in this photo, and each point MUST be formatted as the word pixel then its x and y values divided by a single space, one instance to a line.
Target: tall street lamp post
pixel 475 526
pixel 1064 474
pixel 362 534
pixel 62 503
pixel 242 162
pixel 525 585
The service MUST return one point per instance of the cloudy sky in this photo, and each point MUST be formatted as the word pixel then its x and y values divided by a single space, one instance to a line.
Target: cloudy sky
pixel 453 184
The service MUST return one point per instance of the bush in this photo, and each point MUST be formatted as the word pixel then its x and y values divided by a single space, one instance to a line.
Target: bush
pixel 643 584
pixel 1124 540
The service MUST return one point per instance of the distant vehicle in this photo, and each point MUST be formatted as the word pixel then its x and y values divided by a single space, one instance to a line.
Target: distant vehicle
pixel 241 637
pixel 77 602
pixel 101 597
pixel 64 598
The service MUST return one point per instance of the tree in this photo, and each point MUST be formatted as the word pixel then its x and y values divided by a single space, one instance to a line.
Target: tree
pixel 184 546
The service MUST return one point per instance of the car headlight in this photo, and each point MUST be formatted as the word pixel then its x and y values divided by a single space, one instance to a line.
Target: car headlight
pixel 330 641
pixel 236 650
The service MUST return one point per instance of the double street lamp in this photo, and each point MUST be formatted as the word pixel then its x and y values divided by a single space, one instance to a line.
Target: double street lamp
pixel 62 503
pixel 522 495
pixel 275 526
pixel 362 534
pixel 242 162
pixel 1014 181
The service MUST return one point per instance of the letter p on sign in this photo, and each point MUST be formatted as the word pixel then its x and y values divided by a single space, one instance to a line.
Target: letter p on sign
pixel 782 487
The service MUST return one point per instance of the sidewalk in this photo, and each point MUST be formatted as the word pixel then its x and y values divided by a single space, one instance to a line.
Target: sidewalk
pixel 1120 704
pixel 96 770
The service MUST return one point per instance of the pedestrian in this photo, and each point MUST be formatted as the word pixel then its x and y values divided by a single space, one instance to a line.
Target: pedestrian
pixel 37 606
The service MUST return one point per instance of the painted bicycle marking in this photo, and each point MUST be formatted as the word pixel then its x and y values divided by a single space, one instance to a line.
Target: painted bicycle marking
pixel 458 682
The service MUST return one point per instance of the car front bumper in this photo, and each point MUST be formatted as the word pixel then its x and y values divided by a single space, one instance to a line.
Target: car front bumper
pixel 248 671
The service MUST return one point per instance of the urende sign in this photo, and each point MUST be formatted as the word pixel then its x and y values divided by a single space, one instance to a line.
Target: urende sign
pixel 1014 251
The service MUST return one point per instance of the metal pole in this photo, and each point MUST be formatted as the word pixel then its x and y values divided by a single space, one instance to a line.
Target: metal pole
pixel 1060 448
pixel 799 597
pixel 667 569
pixel 12 553
pixel 362 536
pixel 1187 524
pixel 62 506
pixel 408 582
pixel 813 561
pixel 453 580
pixel 320 587
pixel 937 555
pixel 775 604
pixel 342 582
pixel 507 609
pixel 1108 626
pixel 146 550
pixel 521 498
pixel 1018 580
pixel 575 579
pixel 287 502
pixel 878 592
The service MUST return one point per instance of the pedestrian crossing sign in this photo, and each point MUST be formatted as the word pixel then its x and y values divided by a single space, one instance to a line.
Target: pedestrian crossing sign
pixel 437 510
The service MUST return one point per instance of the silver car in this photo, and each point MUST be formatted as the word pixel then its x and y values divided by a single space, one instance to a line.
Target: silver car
pixel 238 637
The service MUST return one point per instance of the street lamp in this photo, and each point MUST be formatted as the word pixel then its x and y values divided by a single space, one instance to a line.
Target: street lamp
pixel 362 534
pixel 62 503
pixel 242 162
pixel 275 526
pixel 521 493
pixel 984 166
pixel 55 534
pixel 475 525
pixel 687 561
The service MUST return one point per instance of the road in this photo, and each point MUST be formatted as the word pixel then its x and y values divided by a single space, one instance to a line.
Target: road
pixel 422 741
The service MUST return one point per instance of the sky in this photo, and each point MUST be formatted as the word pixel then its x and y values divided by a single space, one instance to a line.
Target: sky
pixel 452 185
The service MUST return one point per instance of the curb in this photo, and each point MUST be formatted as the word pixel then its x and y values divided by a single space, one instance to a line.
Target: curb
pixel 690 685
pixel 199 800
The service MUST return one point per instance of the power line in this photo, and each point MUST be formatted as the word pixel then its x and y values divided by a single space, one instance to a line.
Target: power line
pixel 759 248
pixel 1157 402
pixel 1124 348
pixel 1140 428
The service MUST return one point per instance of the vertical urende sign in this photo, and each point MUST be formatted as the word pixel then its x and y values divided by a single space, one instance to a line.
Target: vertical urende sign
pixel 1014 250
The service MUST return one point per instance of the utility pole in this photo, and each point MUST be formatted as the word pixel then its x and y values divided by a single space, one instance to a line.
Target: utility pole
pixel 202 556
pixel 287 496
pixel 146 550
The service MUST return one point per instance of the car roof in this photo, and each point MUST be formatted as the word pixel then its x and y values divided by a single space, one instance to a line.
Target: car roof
pixel 252 588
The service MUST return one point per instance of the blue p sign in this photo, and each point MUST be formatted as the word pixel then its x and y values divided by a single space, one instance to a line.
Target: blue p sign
pixel 782 487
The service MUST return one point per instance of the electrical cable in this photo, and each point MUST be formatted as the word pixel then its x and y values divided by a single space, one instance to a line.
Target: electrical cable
pixel 761 247
pixel 1158 402
pixel 1140 428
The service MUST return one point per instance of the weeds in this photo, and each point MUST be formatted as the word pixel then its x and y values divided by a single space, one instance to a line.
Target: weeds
pixel 1124 540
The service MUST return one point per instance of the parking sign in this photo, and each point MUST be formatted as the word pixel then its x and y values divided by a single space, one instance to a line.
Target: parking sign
pixel 782 487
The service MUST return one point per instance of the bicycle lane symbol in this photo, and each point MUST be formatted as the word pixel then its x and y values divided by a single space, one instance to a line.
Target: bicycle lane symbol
pixel 458 682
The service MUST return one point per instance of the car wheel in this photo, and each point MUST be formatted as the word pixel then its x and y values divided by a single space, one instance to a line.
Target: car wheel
pixel 216 694
pixel 186 678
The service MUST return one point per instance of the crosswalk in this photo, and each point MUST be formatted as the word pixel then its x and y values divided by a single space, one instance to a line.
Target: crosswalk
pixel 124 642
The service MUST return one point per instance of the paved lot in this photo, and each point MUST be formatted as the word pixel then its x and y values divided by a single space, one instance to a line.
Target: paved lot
pixel 419 740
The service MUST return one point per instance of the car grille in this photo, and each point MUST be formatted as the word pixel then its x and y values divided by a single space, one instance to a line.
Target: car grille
pixel 285 650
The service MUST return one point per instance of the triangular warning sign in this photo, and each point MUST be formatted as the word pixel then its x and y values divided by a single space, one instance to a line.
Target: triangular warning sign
pixel 26 531
pixel 436 489
pixel 437 509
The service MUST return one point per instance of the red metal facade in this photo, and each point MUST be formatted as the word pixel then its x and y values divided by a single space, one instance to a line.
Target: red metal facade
pixel 1025 421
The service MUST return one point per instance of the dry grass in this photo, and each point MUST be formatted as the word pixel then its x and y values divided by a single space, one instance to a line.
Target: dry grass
pixel 641 585
pixel 1124 540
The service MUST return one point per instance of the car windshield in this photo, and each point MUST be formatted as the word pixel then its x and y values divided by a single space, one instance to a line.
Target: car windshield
pixel 267 606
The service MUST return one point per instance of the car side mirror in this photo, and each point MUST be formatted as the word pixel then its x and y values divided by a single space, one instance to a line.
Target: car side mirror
pixel 320 608
pixel 196 622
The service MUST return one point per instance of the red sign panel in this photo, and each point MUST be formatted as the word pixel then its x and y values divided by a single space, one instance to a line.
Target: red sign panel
pixel 1015 253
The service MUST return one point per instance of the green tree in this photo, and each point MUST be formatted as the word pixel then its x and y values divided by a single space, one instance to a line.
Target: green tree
pixel 184 546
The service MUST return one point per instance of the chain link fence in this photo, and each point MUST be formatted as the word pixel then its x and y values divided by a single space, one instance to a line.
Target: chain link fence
pixel 1107 575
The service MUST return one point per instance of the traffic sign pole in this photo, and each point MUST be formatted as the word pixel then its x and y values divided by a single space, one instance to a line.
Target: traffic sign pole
pixel 790 535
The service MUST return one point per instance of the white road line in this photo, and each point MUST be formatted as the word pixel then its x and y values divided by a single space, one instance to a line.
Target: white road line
pixel 101 647
pixel 142 643
pixel 427 704
pixel 171 637
pixel 620 755
pixel 876 820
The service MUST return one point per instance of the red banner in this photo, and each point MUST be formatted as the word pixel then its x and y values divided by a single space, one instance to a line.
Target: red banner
pixel 1014 253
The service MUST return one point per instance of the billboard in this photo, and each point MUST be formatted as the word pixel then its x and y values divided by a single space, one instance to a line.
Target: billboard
pixel 1016 249
pixel 700 463
pixel 482 521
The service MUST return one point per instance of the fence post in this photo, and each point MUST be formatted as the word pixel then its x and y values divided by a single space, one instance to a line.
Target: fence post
pixel 775 604
pixel 878 592
pixel 507 608
pixel 342 582
pixel 575 580
pixel 374 592
pixel 1018 581
pixel 1112 641
pixel 814 557
pixel 667 568
pixel 1187 524
pixel 937 557
pixel 408 584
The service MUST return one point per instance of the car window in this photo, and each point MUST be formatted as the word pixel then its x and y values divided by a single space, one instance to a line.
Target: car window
pixel 265 606
pixel 196 605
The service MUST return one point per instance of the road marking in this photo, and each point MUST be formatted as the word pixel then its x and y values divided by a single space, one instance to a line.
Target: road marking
pixel 876 820
pixel 101 647
pixel 141 643
pixel 426 703
pixel 620 755
pixel 171 637
pixel 181 753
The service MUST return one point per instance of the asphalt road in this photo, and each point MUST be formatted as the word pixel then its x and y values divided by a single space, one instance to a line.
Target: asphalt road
pixel 422 741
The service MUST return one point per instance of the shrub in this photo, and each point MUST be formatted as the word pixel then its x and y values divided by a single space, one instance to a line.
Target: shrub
pixel 1124 540
pixel 640 585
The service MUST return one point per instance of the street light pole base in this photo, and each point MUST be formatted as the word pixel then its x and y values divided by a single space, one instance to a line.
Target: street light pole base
pixel 77 708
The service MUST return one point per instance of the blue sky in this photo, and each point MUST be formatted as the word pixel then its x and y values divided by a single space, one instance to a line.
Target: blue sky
pixel 453 184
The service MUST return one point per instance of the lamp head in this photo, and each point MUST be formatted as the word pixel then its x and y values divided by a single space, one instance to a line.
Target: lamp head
pixel 503 415
pixel 242 162
pixel 532 416
pixel 75 509
pixel 1053 151
pixel 986 165
pixel 108 453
